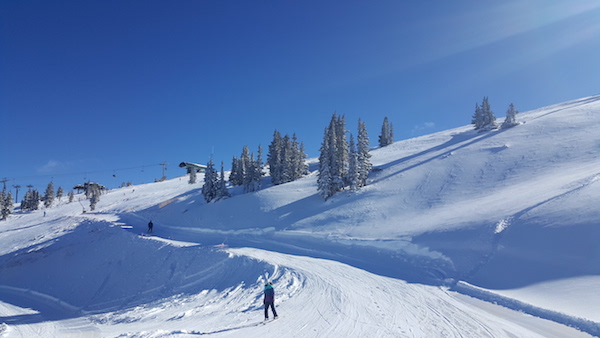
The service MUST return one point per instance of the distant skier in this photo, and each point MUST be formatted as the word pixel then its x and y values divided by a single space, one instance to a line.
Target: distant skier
pixel 269 300
pixel 150 226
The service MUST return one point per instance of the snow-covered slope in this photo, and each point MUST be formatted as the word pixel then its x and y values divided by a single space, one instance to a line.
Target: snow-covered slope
pixel 507 216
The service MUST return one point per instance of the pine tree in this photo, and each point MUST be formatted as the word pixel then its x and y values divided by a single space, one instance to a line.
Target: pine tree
pixel 49 196
pixel 236 177
pixel 477 119
pixel 299 167
pixel 245 167
pixel 9 202
pixel 511 117
pixel 333 160
pixel 247 171
pixel 258 167
pixel 71 195
pixel 325 177
pixel 362 153
pixel 302 165
pixel 222 191
pixel 25 202
pixel 209 189
pixel 484 118
pixel 286 159
pixel 250 175
pixel 387 133
pixel 60 193
pixel 93 191
pixel 353 166
pixel 35 201
pixel 342 153
pixel 287 162
pixel 274 158
pixel 6 204
pixel 31 200
pixel 488 114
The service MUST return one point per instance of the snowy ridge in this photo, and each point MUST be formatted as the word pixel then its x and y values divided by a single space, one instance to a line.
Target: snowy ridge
pixel 582 324
pixel 506 216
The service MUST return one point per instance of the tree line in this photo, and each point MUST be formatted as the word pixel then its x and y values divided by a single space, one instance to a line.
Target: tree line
pixel 343 162
pixel 484 118
pixel 32 199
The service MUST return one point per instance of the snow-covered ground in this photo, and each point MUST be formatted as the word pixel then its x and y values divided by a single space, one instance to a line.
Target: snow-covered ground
pixel 458 234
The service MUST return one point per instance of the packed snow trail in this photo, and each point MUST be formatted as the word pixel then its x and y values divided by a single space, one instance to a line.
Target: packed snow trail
pixel 328 298
pixel 185 290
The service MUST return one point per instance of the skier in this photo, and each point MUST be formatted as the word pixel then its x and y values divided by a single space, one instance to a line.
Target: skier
pixel 269 300
pixel 150 226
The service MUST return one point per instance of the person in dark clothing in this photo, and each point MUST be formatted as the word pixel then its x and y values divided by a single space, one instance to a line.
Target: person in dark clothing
pixel 150 226
pixel 269 300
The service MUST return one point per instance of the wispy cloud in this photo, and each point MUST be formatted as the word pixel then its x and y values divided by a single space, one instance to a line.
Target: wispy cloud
pixel 52 166
pixel 422 128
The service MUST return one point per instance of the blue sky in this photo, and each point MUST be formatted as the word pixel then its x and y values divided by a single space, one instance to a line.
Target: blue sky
pixel 107 90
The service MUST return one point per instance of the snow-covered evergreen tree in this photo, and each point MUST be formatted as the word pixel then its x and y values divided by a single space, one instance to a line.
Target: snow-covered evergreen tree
pixel 236 176
pixel 71 195
pixel 477 119
pixel 362 153
pixel 60 193
pixel 299 166
pixel 286 159
pixel 6 204
pixel 342 152
pixel 258 167
pixel 25 202
pixel 333 160
pixel 49 196
pixel 274 158
pixel 248 170
pixel 31 200
pixel 387 133
pixel 9 202
pixel 2 202
pixel 37 198
pixel 353 166
pixel 511 117
pixel 254 170
pixel 93 192
pixel 484 118
pixel 247 160
pixel 222 191
pixel 211 181
pixel 302 166
pixel 488 114
pixel 325 178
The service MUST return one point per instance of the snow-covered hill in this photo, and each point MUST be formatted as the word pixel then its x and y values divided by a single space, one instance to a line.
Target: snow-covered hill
pixel 450 225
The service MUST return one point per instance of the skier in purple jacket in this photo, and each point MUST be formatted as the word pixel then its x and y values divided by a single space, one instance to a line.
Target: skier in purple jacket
pixel 269 300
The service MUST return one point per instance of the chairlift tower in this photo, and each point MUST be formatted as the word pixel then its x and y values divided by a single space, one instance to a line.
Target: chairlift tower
pixel 17 187
pixel 164 168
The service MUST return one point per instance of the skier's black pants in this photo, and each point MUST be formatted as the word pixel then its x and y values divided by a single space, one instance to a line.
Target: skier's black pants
pixel 272 305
